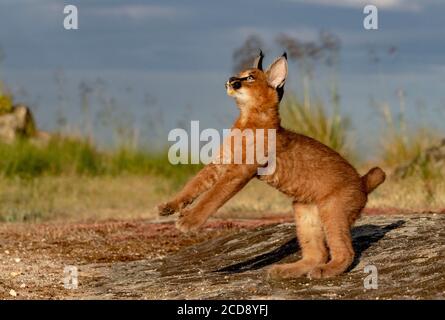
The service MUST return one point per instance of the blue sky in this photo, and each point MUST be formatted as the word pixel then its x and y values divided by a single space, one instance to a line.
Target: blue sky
pixel 179 54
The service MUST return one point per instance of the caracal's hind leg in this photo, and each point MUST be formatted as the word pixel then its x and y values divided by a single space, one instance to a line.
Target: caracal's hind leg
pixel 336 214
pixel 311 239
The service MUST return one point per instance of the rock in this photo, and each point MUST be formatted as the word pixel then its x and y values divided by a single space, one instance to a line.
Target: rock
pixel 13 293
pixel 19 123
pixel 408 252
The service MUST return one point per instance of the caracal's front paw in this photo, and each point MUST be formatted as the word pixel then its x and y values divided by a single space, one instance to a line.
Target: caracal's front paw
pixel 166 209
pixel 189 222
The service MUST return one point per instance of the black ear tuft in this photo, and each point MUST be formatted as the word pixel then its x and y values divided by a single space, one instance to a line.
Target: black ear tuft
pixel 258 62
pixel 284 55
pixel 280 92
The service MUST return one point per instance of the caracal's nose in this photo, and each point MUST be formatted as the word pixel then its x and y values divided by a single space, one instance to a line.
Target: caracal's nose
pixel 234 83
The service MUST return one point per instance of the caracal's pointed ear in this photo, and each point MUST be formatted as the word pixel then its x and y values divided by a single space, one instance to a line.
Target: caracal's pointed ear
pixel 258 62
pixel 277 72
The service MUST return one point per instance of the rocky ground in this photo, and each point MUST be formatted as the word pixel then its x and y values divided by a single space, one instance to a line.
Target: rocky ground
pixel 226 260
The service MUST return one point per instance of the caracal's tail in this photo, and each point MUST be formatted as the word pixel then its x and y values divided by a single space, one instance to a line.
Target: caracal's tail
pixel 373 179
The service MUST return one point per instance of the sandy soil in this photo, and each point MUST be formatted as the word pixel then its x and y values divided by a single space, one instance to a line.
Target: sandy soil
pixel 152 260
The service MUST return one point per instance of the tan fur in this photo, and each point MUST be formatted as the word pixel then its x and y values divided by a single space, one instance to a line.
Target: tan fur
pixel 327 192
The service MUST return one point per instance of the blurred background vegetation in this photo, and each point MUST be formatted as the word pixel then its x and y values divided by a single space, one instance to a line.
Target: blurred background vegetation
pixel 72 176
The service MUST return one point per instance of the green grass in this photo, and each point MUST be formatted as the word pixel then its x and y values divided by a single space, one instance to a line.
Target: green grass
pixel 69 156
pixel 316 121
pixel 402 144
pixel 6 103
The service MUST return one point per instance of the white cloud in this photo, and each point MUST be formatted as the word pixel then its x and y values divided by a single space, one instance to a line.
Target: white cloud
pixel 302 32
pixel 137 11
pixel 396 5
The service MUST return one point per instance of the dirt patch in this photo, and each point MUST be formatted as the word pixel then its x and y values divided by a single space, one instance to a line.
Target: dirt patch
pixel 227 259
pixel 33 256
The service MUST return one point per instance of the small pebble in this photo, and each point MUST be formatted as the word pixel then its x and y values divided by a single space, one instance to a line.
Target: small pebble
pixel 17 260
pixel 7 251
pixel 13 293
pixel 23 285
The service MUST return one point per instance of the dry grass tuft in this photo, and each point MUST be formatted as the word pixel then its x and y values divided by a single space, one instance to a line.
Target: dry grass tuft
pixel 74 198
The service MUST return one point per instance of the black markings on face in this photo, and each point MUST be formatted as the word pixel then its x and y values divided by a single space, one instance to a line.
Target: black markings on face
pixel 235 82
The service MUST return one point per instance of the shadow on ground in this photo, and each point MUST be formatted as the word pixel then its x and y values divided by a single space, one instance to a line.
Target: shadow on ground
pixel 363 237
pixel 407 250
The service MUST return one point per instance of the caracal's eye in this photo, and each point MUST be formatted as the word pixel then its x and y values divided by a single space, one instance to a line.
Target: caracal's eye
pixel 250 78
